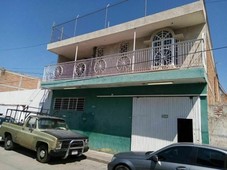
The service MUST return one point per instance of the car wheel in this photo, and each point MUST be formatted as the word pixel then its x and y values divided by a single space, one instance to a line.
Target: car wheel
pixel 9 145
pixel 42 154
pixel 121 167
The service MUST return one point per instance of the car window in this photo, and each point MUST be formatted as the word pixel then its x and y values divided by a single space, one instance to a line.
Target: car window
pixel 182 154
pixel 210 158
pixel 31 123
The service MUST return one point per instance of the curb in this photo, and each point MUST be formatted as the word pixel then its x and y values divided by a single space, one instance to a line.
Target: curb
pixel 98 156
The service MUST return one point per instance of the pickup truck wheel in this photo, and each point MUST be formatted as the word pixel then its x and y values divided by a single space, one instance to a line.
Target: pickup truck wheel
pixel 9 145
pixel 42 154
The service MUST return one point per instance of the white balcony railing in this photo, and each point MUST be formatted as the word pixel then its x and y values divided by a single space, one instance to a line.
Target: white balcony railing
pixel 175 56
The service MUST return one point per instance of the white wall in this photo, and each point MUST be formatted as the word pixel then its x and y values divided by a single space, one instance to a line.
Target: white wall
pixel 37 98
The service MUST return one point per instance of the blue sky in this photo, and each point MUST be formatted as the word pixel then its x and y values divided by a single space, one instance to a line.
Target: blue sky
pixel 25 28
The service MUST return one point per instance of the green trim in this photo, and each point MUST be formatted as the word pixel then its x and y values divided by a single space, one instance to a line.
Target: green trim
pixel 184 75
pixel 204 120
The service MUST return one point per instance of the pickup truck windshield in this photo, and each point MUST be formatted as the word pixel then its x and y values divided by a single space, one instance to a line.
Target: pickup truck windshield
pixel 47 123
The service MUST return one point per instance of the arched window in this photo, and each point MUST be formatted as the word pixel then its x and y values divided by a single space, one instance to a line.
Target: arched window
pixel 163 49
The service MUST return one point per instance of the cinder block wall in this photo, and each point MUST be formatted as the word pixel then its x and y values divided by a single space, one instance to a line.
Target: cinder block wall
pixel 10 81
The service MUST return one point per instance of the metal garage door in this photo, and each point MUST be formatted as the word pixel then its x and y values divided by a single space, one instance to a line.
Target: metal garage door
pixel 154 120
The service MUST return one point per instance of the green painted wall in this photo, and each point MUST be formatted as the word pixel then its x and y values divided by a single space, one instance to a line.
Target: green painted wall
pixel 108 120
pixel 204 120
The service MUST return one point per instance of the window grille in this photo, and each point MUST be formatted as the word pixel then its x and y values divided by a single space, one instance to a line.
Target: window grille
pixel 99 52
pixel 124 47
pixel 57 104
pixel 163 49
pixel 76 104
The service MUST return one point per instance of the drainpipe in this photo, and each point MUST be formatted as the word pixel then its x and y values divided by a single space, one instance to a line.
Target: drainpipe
pixel 134 48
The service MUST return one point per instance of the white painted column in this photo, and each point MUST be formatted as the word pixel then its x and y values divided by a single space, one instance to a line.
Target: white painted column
pixel 204 58
pixel 134 48
pixel 76 53
pixel 75 58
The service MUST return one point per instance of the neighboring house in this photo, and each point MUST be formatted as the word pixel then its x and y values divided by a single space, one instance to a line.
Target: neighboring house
pixel 36 100
pixel 18 91
pixel 139 85
pixel 11 81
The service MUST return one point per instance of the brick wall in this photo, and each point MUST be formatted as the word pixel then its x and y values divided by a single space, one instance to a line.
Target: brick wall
pixel 10 81
pixel 214 96
pixel 224 98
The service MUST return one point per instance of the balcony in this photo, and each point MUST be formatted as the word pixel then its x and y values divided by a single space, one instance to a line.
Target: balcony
pixel 181 55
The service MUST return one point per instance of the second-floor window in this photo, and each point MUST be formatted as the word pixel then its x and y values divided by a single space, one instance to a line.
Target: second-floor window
pixel 124 47
pixel 163 48
pixel 99 52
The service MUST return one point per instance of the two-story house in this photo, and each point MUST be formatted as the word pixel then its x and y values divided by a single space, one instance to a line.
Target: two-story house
pixel 139 85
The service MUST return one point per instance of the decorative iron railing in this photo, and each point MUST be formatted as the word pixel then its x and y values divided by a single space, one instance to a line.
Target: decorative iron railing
pixel 175 56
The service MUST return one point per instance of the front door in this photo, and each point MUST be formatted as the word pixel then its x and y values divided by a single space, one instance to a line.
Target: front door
pixel 185 130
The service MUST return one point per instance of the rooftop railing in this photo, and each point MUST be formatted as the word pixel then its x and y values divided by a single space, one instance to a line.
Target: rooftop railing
pixel 110 15
pixel 180 55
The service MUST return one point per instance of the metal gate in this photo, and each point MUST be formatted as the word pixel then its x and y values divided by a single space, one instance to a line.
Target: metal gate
pixel 154 120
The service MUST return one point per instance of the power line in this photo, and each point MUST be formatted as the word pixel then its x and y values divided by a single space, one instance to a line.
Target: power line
pixel 24 47
pixel 215 1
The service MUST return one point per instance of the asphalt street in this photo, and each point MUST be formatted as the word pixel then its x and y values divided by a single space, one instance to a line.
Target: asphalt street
pixel 24 159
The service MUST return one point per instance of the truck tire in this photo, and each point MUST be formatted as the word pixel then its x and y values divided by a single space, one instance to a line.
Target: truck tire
pixel 42 154
pixel 9 145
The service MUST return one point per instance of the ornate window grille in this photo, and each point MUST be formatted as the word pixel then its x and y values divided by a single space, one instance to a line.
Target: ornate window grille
pixel 124 47
pixel 99 52
pixel 163 48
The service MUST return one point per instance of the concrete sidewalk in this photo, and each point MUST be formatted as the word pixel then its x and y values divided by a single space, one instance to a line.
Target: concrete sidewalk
pixel 99 156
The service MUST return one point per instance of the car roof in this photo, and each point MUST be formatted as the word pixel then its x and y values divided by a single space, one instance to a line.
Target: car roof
pixel 200 146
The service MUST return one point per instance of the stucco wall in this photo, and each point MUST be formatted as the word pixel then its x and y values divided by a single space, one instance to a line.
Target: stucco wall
pixel 189 33
pixel 218 125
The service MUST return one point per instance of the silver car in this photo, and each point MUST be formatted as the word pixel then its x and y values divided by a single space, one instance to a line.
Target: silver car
pixel 180 156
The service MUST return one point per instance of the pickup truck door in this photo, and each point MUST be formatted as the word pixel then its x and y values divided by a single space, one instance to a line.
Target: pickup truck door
pixel 27 136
